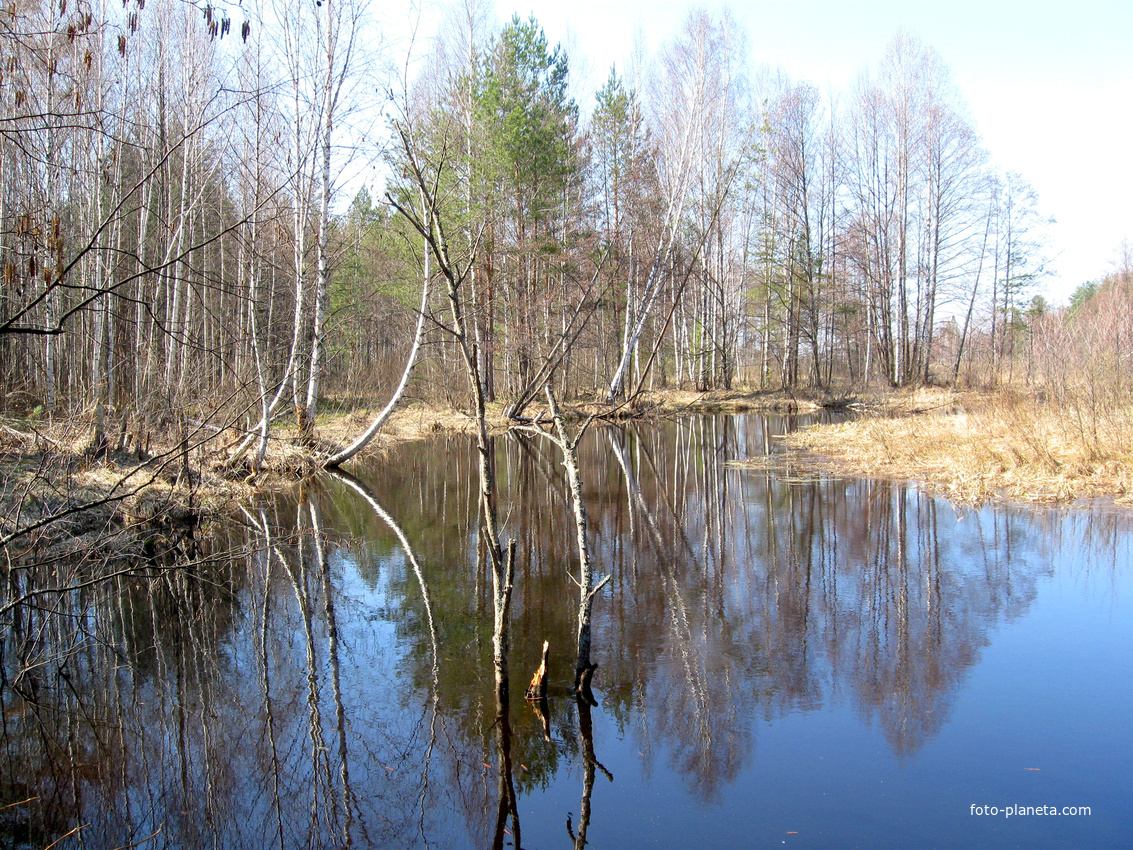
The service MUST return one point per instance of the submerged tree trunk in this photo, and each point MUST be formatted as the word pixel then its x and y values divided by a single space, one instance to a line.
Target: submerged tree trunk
pixel 431 228
pixel 537 690
pixel 585 581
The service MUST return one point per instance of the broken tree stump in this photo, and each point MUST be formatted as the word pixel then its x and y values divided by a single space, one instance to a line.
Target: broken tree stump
pixel 538 687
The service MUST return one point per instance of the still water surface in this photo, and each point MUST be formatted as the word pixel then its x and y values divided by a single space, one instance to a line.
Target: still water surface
pixel 784 660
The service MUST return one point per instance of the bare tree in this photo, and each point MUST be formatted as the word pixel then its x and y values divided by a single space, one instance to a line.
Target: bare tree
pixel 682 89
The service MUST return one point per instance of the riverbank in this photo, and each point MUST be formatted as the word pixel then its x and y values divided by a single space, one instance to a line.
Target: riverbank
pixel 62 503
pixel 417 421
pixel 976 447
pixel 55 493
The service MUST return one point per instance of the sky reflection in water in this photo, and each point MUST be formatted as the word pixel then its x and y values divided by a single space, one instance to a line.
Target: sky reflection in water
pixel 785 660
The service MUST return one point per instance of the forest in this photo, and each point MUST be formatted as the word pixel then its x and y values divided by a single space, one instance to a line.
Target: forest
pixel 237 238
pixel 185 238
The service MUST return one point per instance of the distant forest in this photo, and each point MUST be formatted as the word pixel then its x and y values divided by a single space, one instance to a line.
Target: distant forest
pixel 177 234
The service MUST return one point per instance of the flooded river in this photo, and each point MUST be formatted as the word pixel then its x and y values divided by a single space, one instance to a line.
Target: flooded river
pixel 784 660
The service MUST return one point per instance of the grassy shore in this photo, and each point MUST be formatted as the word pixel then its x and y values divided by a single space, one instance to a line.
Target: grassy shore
pixel 976 447
pixel 969 447
pixel 50 476
pixel 417 421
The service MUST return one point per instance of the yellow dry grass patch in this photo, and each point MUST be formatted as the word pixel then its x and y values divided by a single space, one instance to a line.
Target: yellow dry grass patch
pixel 977 448
pixel 410 422
pixel 47 470
pixel 719 401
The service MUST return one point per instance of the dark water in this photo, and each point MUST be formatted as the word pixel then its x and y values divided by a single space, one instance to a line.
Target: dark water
pixel 784 660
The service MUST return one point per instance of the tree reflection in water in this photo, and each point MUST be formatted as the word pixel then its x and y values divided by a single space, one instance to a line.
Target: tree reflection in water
pixel 320 672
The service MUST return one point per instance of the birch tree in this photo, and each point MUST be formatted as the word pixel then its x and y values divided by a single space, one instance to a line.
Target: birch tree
pixel 682 89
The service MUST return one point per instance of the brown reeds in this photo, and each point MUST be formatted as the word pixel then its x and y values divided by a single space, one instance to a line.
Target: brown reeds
pixel 976 448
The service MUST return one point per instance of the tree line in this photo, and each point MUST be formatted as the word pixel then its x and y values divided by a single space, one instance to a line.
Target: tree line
pixel 172 243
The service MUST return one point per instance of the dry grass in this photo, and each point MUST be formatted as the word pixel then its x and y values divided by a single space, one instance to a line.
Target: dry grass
pixel 969 447
pixel 975 448
pixel 725 401
pixel 47 467
pixel 673 402
pixel 418 421
pixel 57 495
pixel 334 431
